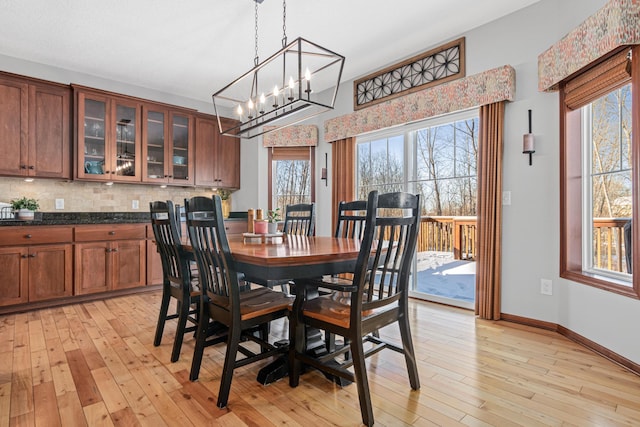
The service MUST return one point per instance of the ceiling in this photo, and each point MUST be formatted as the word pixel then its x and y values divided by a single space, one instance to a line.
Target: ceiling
pixel 193 48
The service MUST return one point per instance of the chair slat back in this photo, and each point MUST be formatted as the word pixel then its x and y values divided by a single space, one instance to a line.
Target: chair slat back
pixel 351 219
pixel 218 278
pixel 167 238
pixel 388 248
pixel 300 219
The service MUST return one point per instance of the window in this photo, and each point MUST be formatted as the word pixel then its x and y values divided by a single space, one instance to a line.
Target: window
pixel 436 158
pixel 597 176
pixel 291 176
pixel 446 174
pixel 380 165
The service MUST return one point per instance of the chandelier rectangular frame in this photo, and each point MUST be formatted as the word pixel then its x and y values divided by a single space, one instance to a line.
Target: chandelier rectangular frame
pixel 294 84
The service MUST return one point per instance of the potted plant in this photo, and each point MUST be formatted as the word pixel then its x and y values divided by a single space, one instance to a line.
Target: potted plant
pixel 226 202
pixel 25 207
pixel 273 217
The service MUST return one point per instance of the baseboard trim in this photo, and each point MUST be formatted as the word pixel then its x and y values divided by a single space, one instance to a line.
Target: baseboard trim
pixel 585 342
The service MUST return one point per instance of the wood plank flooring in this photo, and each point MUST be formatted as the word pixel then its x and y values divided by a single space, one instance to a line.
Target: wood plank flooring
pixel 94 364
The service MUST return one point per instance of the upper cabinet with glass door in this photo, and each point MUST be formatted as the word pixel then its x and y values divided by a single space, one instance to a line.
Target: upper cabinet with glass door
pixel 108 138
pixel 168 146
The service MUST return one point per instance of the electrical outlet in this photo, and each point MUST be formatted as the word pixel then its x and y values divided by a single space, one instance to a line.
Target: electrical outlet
pixel 506 198
pixel 546 287
pixel 59 203
pixel 135 204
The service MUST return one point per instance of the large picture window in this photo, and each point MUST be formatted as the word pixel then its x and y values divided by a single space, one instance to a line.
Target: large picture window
pixel 598 179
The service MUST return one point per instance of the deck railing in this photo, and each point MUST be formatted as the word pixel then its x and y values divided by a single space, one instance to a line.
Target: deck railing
pixel 609 251
pixel 457 234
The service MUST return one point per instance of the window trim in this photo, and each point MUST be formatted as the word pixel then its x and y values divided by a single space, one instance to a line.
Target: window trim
pixel 571 183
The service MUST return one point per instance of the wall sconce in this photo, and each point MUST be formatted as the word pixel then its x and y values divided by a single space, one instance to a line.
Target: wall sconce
pixel 528 142
pixel 323 174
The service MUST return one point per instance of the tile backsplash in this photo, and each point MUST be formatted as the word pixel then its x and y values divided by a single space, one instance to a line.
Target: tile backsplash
pixel 93 197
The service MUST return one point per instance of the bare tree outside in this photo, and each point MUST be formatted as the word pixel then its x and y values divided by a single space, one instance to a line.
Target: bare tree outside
pixel 611 176
pixel 447 171
pixel 380 166
pixel 446 174
pixel 292 183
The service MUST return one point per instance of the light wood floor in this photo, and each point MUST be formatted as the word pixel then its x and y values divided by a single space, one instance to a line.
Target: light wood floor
pixel 95 364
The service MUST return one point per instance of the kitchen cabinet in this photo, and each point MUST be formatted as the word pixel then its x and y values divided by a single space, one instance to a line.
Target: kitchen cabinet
pixel 35 128
pixel 109 257
pixel 154 263
pixel 35 264
pixel 167 146
pixel 217 156
pixel 108 137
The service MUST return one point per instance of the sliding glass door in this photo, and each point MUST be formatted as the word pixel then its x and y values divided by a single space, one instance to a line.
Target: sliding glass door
pixel 436 158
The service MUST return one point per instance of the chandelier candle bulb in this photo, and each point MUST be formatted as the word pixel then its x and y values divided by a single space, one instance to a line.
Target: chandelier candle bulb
pixel 291 88
pixel 307 77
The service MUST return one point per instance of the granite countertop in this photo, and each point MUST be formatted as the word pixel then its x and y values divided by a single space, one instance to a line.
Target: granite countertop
pixel 71 218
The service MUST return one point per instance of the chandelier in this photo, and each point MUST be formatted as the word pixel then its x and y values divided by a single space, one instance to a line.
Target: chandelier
pixel 294 84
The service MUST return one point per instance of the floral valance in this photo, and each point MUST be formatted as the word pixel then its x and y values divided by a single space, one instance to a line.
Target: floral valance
pixel 498 84
pixel 291 136
pixel 616 24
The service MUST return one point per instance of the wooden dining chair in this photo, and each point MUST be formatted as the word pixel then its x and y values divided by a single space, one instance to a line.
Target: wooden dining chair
pixel 177 280
pixel 245 314
pixel 351 219
pixel 377 296
pixel 300 219
pixel 350 223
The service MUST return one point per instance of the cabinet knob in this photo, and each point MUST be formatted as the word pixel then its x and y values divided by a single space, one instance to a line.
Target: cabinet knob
pixel 32 167
pixel 32 255
pixel 112 233
pixel 24 256
pixel 27 236
pixel 23 166
pixel 107 250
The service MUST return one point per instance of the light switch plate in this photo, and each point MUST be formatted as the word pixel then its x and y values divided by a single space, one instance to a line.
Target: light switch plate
pixel 506 198
pixel 59 203
pixel 135 204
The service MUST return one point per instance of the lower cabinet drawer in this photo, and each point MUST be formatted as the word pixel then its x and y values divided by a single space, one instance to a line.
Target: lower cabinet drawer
pixel 36 235
pixel 92 233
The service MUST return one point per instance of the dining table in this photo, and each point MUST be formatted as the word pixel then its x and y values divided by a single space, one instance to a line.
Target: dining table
pixel 292 257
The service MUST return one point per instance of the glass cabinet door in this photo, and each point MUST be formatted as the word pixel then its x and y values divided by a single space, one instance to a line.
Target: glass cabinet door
pixel 180 135
pixel 126 148
pixel 155 146
pixel 95 147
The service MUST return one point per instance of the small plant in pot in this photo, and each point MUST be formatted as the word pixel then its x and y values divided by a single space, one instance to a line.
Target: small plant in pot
pixel 273 217
pixel 25 207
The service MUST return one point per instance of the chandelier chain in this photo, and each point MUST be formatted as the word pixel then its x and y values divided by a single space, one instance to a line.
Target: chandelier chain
pixel 284 23
pixel 256 60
